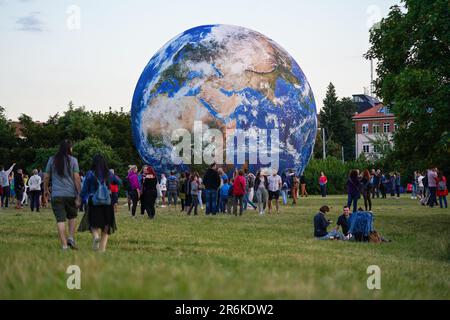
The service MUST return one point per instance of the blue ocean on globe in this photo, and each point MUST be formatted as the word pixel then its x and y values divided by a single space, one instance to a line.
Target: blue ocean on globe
pixel 228 78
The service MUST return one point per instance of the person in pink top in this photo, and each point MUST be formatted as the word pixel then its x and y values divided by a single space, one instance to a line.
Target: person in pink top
pixel 239 192
pixel 135 188
pixel 323 181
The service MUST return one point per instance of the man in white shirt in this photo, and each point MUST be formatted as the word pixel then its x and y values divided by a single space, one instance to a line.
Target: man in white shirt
pixel 4 182
pixel 274 189
pixel 34 185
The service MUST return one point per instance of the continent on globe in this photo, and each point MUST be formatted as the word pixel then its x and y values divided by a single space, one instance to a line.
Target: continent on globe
pixel 229 80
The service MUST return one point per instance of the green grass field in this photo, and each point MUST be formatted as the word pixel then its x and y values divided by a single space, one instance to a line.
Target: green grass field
pixel 227 257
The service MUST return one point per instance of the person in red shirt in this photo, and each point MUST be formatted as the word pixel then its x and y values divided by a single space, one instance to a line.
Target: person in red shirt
pixel 323 184
pixel 442 190
pixel 239 192
pixel 114 188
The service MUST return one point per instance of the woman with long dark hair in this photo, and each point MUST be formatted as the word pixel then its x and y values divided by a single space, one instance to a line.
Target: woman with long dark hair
pixel 367 189
pixel 100 210
pixel 194 187
pixel 149 192
pixel 66 186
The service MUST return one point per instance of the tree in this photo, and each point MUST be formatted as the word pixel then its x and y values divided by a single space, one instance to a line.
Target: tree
pixel 85 151
pixel 413 52
pixel 8 139
pixel 336 117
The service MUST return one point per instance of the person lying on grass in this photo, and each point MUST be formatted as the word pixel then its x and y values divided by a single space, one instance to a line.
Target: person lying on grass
pixel 321 224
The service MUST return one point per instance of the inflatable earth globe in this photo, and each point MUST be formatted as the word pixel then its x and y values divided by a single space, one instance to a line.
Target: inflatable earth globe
pixel 228 79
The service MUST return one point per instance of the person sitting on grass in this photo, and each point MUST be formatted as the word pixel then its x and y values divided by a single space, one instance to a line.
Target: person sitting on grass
pixel 343 221
pixel 321 224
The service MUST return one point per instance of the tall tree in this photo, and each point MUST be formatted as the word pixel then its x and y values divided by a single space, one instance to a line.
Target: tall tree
pixel 412 47
pixel 336 117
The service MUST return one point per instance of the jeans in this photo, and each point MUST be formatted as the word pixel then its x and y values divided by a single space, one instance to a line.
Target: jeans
pixel 263 196
pixel 432 201
pixel 194 204
pixel 223 204
pixel 211 201
pixel 443 199
pixel 200 202
pixel 353 198
pixel 5 196
pixel 172 196
pixel 323 190
pixel 34 204
pixel 248 201
pixel 414 190
pixel 240 200
pixel 333 234
pixel 284 196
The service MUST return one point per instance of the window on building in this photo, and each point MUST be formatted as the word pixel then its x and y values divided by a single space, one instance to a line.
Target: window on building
pixel 395 127
pixel 387 127
pixel 376 128
pixel 366 148
pixel 376 149
pixel 365 128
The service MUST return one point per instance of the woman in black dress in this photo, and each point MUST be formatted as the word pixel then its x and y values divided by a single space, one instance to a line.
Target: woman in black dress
pixel 149 192
pixel 99 218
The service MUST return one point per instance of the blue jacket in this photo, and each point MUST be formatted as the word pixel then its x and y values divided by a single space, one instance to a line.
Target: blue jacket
pixel 224 190
pixel 90 185
pixel 361 222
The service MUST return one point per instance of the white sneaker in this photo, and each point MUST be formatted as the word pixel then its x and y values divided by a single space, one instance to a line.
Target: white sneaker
pixel 96 244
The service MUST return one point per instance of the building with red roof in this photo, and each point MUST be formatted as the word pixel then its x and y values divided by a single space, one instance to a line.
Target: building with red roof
pixel 370 125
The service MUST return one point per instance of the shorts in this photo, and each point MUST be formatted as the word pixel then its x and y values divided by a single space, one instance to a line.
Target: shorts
pixel 114 198
pixel 64 208
pixel 274 195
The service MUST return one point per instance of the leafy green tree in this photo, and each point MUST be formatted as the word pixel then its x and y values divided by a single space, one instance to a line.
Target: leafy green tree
pixel 412 47
pixel 85 151
pixel 8 139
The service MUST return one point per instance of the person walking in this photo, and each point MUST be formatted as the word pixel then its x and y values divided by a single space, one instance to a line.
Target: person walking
pixel 34 184
pixel 96 194
pixel 432 186
pixel 211 181
pixel 398 183
pixel 323 181
pixel 284 188
pixel 392 179
pixel 19 188
pixel 250 191
pixel 303 185
pixel 182 190
pixel 239 192
pixel 4 182
pixel 415 185
pixel 149 192
pixel 194 186
pixel 367 190
pixel 442 190
pixel 135 188
pixel 420 186
pixel 163 187
pixel 63 172
pixel 262 194
pixel 275 185
pixel 353 190
pixel 295 188
pixel 172 190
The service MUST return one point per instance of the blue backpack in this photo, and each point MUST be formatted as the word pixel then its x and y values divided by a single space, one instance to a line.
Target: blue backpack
pixel 102 196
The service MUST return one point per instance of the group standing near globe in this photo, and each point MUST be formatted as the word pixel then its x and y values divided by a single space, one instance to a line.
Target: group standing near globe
pixel 222 192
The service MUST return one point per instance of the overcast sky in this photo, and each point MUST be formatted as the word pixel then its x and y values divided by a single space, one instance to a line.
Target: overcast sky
pixel 93 52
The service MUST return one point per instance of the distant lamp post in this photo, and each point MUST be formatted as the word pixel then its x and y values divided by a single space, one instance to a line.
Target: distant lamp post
pixel 323 143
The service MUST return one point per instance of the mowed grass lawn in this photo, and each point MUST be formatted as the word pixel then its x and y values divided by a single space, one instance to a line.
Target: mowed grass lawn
pixel 227 257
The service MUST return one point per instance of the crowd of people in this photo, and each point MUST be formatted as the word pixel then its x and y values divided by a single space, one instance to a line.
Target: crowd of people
pixel 97 193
